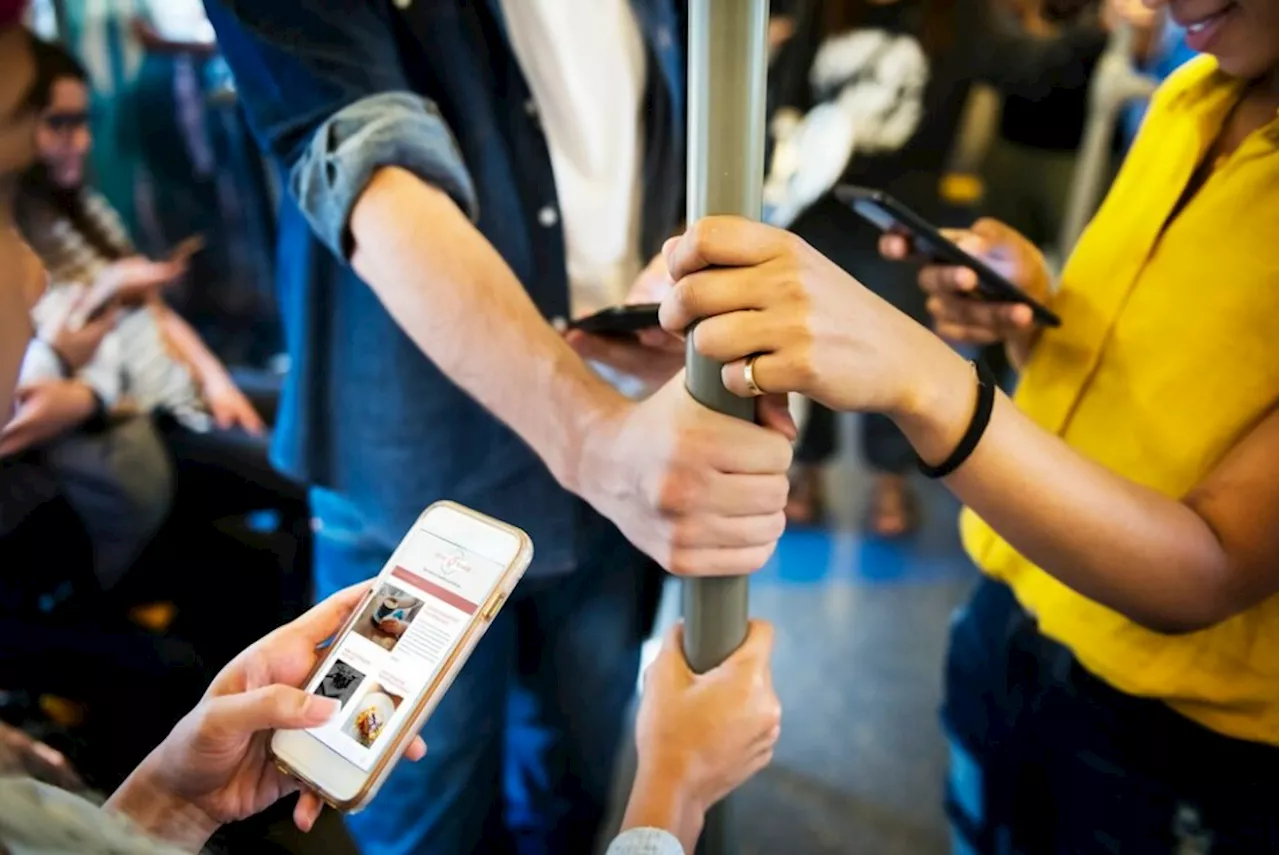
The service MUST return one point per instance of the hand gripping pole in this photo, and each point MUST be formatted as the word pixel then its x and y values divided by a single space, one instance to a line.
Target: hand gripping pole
pixel 728 60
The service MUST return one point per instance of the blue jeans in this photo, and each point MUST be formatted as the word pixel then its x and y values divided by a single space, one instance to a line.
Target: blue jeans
pixel 1047 759
pixel 521 750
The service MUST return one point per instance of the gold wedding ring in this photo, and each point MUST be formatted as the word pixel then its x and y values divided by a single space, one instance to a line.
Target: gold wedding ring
pixel 749 376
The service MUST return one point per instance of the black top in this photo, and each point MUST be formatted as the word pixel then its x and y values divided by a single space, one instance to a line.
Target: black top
pixel 980 45
pixel 1054 122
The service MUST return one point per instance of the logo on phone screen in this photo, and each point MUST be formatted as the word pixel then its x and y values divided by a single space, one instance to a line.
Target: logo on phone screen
pixel 453 563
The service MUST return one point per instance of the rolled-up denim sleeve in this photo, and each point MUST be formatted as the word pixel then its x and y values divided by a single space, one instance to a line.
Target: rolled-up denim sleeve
pixel 645 841
pixel 326 98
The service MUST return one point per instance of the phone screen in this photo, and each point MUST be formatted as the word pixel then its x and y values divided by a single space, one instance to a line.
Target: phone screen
pixel 399 641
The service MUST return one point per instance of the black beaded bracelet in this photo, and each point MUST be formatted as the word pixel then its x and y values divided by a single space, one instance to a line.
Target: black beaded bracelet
pixel 973 434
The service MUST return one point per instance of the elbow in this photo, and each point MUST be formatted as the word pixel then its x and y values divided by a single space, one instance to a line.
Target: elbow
pixel 1200 608
pixel 1174 624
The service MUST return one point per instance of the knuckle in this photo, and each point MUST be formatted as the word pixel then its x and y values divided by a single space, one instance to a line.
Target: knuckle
pixel 793 288
pixel 669 494
pixel 700 235
pixel 773 713
pixel 686 298
pixel 681 563
pixel 802 369
pixel 779 491
pixel 800 331
pixel 706 338
pixel 794 245
pixel 775 525
pixel 764 555
pixel 684 532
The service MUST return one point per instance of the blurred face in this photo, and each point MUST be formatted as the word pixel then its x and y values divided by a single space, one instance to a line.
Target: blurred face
pixel 62 135
pixel 17 74
pixel 1242 34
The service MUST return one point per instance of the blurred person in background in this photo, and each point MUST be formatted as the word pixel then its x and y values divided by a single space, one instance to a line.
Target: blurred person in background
pixel 56 438
pixel 73 435
pixel 214 431
pixel 1032 161
pixel 872 93
pixel 170 161
pixel 1111 685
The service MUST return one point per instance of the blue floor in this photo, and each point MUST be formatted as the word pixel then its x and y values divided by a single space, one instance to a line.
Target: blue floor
pixel 862 628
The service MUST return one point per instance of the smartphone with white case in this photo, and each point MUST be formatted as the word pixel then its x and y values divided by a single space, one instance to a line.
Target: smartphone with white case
pixel 401 648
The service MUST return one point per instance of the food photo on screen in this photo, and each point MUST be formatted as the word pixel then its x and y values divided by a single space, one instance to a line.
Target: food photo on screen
pixel 371 715
pixel 387 616
pixel 340 683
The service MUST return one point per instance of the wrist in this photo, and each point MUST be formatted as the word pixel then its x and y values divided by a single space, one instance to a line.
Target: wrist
pixel 936 412
pixel 587 451
pixel 662 798
pixel 65 368
pixel 152 808
pixel 88 403
pixel 1018 348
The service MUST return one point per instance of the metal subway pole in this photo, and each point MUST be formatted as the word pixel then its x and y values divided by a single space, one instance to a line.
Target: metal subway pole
pixel 728 60
pixel 1115 84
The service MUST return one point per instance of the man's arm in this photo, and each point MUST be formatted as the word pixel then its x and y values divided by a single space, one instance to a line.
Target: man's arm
pixel 376 171
pixel 448 288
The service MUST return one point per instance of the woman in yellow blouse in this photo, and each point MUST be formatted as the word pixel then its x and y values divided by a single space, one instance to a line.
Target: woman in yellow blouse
pixel 1113 683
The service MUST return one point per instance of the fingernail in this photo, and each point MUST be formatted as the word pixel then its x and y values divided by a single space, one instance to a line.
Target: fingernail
pixel 320 709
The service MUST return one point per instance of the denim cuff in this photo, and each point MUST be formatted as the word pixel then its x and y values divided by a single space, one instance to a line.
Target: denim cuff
pixel 645 841
pixel 390 129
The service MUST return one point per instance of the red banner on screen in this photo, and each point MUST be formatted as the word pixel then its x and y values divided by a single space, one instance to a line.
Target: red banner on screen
pixel 444 595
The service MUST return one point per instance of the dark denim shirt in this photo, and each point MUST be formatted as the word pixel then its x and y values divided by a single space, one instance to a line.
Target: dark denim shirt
pixel 336 89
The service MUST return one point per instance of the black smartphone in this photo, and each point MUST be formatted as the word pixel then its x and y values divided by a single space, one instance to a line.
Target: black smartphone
pixel 619 321
pixel 889 215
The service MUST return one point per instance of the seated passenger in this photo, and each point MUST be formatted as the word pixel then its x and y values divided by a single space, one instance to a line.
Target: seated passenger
pixel 1112 685
pixel 68 437
pixel 211 427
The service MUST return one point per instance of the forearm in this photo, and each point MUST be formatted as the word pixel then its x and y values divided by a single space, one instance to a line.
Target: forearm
pixel 187 344
pixel 452 293
pixel 1121 544
pixel 160 814
pixel 657 802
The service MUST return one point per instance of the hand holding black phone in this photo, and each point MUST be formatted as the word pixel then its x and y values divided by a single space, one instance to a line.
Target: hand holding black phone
pixel 619 321
pixel 891 216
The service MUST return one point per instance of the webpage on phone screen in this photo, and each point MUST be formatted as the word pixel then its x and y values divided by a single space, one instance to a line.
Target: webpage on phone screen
pixel 400 639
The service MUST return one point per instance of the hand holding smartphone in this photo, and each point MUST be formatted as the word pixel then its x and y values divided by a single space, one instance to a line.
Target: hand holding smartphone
pixel 620 321
pixel 395 658
pixel 891 216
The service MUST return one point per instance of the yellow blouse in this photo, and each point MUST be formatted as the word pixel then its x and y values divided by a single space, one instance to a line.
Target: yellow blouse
pixel 1166 357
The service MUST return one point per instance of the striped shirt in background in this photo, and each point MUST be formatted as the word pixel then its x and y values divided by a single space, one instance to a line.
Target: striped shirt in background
pixel 135 352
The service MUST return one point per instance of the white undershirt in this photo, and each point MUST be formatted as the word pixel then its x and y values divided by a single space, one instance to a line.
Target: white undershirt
pixel 585 64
